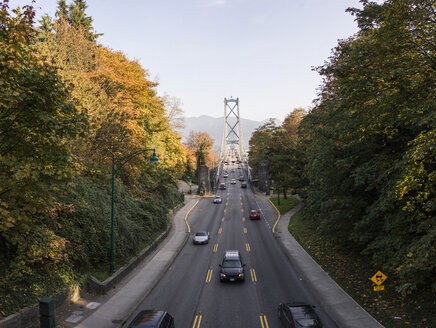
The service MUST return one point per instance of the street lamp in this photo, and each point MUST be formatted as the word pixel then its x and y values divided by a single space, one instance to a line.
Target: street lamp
pixel 122 161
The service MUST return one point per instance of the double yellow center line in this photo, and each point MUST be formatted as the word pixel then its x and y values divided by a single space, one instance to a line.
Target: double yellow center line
pixel 263 321
pixel 253 275
pixel 209 275
pixel 197 321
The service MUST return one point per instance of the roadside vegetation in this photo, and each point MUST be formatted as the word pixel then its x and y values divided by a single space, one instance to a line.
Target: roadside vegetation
pixel 67 104
pixel 363 159
pixel 352 273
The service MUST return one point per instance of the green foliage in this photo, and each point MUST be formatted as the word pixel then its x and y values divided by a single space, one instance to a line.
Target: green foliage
pixel 260 142
pixel 369 144
pixel 65 105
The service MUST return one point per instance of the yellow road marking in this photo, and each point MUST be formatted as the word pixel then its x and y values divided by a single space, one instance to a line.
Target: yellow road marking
pixel 186 216
pixel 242 204
pixel 220 230
pixel 209 275
pixel 243 219
pixel 247 247
pixel 263 321
pixel 242 210
pixel 215 248
pixel 225 210
pixel 253 275
pixel 245 230
pixel 222 220
pixel 197 324
pixel 278 215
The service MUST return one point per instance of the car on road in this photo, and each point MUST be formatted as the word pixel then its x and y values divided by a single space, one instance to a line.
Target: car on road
pixel 152 319
pixel 217 200
pixel 239 167
pixel 233 181
pixel 244 184
pixel 225 175
pixel 298 315
pixel 232 267
pixel 241 178
pixel 232 170
pixel 222 186
pixel 201 238
pixel 255 215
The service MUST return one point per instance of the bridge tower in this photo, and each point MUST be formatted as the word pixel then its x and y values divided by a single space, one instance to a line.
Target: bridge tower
pixel 232 131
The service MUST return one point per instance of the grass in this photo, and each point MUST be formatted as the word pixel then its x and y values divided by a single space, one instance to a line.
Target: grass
pixel 352 273
pixel 285 204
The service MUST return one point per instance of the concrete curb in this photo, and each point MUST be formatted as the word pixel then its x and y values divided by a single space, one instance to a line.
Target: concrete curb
pixel 341 307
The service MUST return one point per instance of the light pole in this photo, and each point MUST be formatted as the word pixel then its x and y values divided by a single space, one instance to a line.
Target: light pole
pixel 122 161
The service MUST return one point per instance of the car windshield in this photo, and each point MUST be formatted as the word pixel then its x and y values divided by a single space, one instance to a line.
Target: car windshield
pixel 307 322
pixel 201 234
pixel 231 264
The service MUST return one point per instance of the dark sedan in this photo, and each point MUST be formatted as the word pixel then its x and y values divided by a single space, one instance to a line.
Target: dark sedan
pixel 222 186
pixel 297 315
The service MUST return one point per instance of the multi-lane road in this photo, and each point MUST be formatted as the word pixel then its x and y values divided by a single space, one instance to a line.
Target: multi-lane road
pixel 191 289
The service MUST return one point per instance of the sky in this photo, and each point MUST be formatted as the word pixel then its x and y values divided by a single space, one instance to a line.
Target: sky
pixel 202 51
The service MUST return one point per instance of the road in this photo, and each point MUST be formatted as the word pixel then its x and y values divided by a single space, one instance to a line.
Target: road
pixel 191 289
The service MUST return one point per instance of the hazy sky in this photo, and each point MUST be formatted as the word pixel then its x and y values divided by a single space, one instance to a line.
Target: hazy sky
pixel 261 51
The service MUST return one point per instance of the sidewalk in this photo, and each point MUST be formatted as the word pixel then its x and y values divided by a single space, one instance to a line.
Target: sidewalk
pixel 114 312
pixel 343 309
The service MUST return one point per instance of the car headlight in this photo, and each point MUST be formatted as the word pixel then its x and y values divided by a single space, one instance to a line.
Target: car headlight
pixel 223 275
pixel 240 275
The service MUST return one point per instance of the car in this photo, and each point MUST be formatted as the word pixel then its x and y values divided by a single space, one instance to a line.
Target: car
pixel 201 238
pixel 152 319
pixel 233 181
pixel 239 167
pixel 244 184
pixel 222 186
pixel 232 170
pixel 225 175
pixel 298 315
pixel 255 214
pixel 232 267
pixel 241 178
pixel 217 200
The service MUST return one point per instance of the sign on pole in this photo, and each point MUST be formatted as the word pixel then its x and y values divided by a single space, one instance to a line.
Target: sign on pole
pixel 378 278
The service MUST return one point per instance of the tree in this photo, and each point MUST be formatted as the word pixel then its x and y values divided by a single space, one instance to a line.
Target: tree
pixel 37 123
pixel 173 106
pixel 369 142
pixel 200 143
pixel 259 143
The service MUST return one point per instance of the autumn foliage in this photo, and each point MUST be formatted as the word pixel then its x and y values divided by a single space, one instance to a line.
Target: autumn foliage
pixel 66 105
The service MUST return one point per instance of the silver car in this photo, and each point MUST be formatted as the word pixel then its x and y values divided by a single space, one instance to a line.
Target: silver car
pixel 217 200
pixel 201 237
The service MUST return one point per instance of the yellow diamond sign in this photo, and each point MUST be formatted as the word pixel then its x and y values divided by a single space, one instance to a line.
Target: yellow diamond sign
pixel 378 278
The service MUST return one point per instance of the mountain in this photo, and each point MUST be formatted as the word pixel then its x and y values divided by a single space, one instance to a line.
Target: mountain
pixel 214 127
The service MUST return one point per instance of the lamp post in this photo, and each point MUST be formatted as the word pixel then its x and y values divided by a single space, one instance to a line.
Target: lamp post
pixel 122 161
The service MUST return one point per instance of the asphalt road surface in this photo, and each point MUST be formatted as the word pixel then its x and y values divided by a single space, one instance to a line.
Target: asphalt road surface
pixel 191 290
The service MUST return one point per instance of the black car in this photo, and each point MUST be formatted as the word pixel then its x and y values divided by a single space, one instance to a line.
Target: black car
pixel 298 315
pixel 231 268
pixel 241 178
pixel 152 319
pixel 244 184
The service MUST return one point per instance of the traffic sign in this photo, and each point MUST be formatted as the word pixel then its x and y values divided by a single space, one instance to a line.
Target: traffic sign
pixel 379 288
pixel 378 278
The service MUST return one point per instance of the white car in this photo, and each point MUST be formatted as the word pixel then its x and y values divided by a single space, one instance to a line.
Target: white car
pixel 217 200
pixel 201 237
pixel 225 175
pixel 233 181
